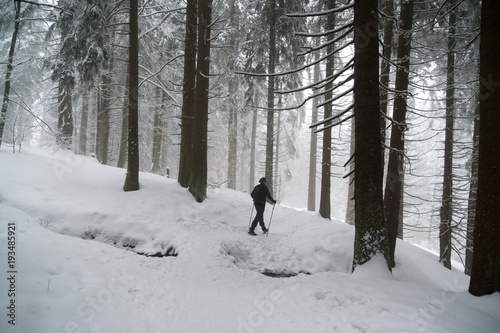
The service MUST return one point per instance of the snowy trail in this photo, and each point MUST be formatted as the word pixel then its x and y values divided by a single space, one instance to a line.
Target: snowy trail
pixel 272 302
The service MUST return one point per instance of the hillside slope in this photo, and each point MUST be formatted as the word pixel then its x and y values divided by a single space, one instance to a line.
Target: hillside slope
pixel 92 258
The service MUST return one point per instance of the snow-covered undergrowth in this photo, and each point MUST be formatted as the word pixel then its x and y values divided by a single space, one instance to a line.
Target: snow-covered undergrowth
pixel 91 258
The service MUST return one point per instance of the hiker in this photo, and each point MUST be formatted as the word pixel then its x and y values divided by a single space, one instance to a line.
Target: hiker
pixel 260 194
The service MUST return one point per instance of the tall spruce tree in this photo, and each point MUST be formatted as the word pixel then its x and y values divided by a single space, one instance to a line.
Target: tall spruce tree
pixel 485 273
pixel 10 68
pixel 446 211
pixel 370 239
pixel 313 157
pixel 198 179
pixel 132 177
pixel 326 156
pixel 188 94
pixel 269 169
pixel 393 197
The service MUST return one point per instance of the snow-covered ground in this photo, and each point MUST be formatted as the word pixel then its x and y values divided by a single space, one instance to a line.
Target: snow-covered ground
pixel 80 244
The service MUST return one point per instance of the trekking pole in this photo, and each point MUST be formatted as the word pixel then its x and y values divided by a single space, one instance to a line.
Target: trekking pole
pixel 250 218
pixel 270 220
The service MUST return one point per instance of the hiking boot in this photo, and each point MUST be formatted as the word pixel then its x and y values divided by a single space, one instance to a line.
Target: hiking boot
pixel 265 230
pixel 251 232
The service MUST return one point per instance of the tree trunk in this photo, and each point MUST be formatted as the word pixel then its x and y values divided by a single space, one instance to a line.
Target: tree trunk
pixel 123 150
pixel 485 274
pixel 65 112
pixel 233 105
pixel 188 95
pixel 270 97
pixel 10 68
pixel 446 211
pixel 198 179
pixel 157 134
pixel 165 138
pixel 233 145
pixel 252 151
pixel 471 209
pixel 92 128
pixel 386 66
pixel 370 239
pixel 276 177
pixel 82 143
pixel 313 150
pixel 326 158
pixel 393 197
pixel 132 178
pixel 349 215
pixel 102 144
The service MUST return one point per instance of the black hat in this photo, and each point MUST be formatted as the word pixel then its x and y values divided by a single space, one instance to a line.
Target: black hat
pixel 262 180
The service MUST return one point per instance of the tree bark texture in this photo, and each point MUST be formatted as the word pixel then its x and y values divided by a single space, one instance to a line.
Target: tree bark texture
pixel 485 274
pixel 446 210
pixel 132 178
pixel 370 238
pixel 472 203
pixel 386 65
pixel 349 214
pixel 326 157
pixel 198 179
pixel 270 98
pixel 188 94
pixel 393 197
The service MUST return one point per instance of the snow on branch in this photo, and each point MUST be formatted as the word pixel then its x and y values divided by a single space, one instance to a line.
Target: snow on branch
pixel 322 13
pixel 296 70
pixel 338 115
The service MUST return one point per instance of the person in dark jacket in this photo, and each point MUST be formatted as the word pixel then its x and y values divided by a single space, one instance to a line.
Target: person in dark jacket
pixel 259 195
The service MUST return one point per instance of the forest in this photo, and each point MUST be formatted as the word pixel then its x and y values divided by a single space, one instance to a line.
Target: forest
pixel 384 114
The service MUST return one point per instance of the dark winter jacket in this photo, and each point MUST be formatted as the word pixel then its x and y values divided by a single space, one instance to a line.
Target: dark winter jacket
pixel 260 193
